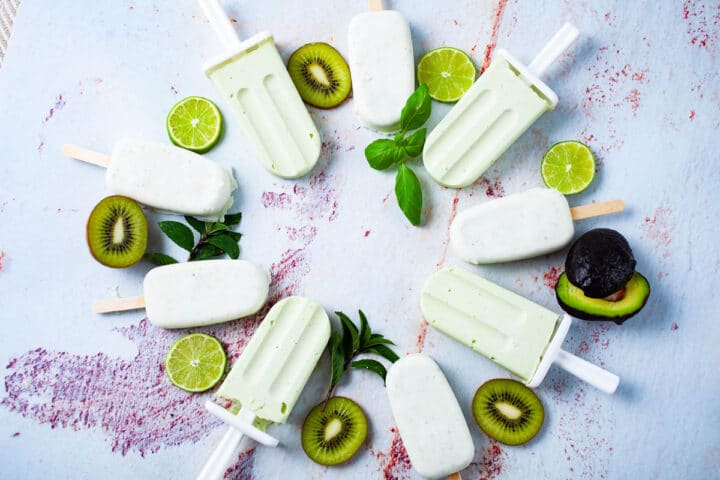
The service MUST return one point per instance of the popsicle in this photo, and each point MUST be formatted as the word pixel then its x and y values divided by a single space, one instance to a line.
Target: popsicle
pixel 269 375
pixel 256 85
pixel 192 294
pixel 428 417
pixel 521 225
pixel 164 177
pixel 382 66
pixel 503 103
pixel 514 332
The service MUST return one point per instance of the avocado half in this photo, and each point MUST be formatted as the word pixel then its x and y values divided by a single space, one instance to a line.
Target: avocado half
pixel 574 302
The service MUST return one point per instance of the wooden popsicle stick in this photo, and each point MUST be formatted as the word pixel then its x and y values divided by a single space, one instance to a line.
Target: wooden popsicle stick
pixel 119 304
pixel 375 5
pixel 454 476
pixel 597 209
pixel 85 155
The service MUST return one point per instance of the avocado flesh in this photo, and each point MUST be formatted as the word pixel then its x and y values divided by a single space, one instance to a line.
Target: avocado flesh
pixel 574 302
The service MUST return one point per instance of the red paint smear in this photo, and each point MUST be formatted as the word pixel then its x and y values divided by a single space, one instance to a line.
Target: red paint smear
pixel 490 464
pixel 490 47
pixel 367 233
pixel 276 200
pixel 316 200
pixel 243 468
pixel 692 115
pixel 494 189
pixel 306 233
pixel 16 434
pixel 609 81
pixel 550 277
pixel 396 462
pixel 59 105
pixel 2 257
pixel 658 228
pixel 702 25
pixel 633 98
pixel 421 336
pixel 674 327
pixel 173 89
pixel 453 213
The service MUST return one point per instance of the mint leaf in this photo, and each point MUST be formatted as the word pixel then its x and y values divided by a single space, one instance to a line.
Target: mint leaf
pixel 350 335
pixel 198 225
pixel 159 259
pixel 377 339
pixel 415 142
pixel 337 360
pixel 409 194
pixel 204 252
pixel 234 235
pixel 232 219
pixel 178 233
pixel 383 351
pixel 365 333
pixel 417 109
pixel 225 243
pixel 372 365
pixel 382 153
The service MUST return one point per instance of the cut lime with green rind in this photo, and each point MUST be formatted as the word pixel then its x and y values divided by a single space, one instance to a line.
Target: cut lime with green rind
pixel 195 362
pixel 448 73
pixel 568 167
pixel 195 123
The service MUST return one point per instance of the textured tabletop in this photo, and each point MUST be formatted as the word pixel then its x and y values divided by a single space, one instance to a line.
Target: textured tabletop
pixel 84 396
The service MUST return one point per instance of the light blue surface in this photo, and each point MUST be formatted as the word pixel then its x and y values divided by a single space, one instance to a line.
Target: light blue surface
pixel 641 86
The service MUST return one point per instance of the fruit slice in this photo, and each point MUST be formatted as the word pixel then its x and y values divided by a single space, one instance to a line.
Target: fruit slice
pixel 332 433
pixel 195 123
pixel 448 73
pixel 320 74
pixel 568 167
pixel 195 362
pixel 624 304
pixel 117 232
pixel 507 411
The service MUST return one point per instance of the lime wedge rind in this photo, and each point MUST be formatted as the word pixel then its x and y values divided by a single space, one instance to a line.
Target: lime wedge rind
pixel 448 73
pixel 568 167
pixel 195 362
pixel 194 123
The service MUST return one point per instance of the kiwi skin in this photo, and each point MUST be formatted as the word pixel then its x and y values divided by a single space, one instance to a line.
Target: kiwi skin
pixel 345 443
pixel 325 93
pixel 495 424
pixel 101 223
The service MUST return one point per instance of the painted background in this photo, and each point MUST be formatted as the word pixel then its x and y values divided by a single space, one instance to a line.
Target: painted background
pixel 84 396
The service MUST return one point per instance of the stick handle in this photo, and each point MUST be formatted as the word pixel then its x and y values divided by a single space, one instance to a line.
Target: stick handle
pixel 591 373
pixel 85 155
pixel 221 458
pixel 375 5
pixel 597 209
pixel 454 476
pixel 119 304
pixel 220 23
pixel 553 49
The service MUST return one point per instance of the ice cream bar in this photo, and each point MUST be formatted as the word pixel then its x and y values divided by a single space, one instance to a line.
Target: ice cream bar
pixel 514 332
pixel 192 294
pixel 164 177
pixel 428 417
pixel 382 67
pixel 518 226
pixel 506 99
pixel 256 85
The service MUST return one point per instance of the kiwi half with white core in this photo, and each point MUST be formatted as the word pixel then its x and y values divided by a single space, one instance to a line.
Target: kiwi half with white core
pixel 117 232
pixel 320 74
pixel 332 433
pixel 508 411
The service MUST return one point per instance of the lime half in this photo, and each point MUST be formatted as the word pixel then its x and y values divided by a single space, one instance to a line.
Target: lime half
pixel 568 167
pixel 448 73
pixel 195 123
pixel 195 362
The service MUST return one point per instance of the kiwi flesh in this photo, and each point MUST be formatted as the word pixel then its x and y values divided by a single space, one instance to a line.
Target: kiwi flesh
pixel 507 411
pixel 320 74
pixel 334 431
pixel 117 232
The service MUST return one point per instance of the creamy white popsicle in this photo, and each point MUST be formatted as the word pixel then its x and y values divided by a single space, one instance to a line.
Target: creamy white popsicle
pixel 518 226
pixel 428 417
pixel 380 55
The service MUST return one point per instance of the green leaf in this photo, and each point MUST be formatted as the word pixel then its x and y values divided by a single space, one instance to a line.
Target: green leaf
pixel 178 233
pixel 159 259
pixel 337 359
pixel 408 193
pixel 383 351
pixel 198 225
pixel 382 153
pixel 400 138
pixel 232 219
pixel 372 365
pixel 351 338
pixel 365 332
pixel 415 142
pixel 377 339
pixel 234 235
pixel 205 251
pixel 417 109
pixel 226 243
pixel 218 227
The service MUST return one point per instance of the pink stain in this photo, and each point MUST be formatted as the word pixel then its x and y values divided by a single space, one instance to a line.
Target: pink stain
pixel 243 468
pixel 551 276
pixel 493 189
pixel 490 47
pixel 2 258
pixel 41 146
pixel 702 23
pixel 612 80
pixel 276 200
pixel 173 89
pixel 490 464
pixel 367 233
pixel 396 463
pixel 56 107
pixel 674 327
pixel 633 98
pixel 692 115
pixel 316 201
pixel 658 228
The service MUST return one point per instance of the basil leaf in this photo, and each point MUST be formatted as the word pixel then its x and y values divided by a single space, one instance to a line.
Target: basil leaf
pixel 382 153
pixel 365 333
pixel 225 243
pixel 205 251
pixel 178 233
pixel 351 338
pixel 415 142
pixel 409 194
pixel 232 219
pixel 416 110
pixel 159 259
pixel 372 365
pixel 337 359
pixel 383 351
pixel 198 225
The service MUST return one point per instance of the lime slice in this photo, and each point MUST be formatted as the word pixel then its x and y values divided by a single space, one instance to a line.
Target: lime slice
pixel 568 167
pixel 195 123
pixel 448 73
pixel 195 362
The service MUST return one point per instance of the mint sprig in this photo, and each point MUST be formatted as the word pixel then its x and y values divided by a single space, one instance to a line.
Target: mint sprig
pixel 215 239
pixel 384 153
pixel 356 341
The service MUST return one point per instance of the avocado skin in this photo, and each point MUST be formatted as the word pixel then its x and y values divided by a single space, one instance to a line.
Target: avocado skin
pixel 600 262
pixel 575 312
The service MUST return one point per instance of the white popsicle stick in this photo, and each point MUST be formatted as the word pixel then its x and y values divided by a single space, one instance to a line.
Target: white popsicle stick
pixel 553 49
pixel 85 155
pixel 597 209
pixel 375 5
pixel 220 23
pixel 119 304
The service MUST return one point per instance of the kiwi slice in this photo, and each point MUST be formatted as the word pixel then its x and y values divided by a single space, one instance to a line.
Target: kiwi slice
pixel 333 432
pixel 320 74
pixel 117 232
pixel 507 411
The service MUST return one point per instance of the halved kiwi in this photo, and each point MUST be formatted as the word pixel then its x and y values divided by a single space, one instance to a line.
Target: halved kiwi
pixel 507 411
pixel 333 432
pixel 117 232
pixel 320 74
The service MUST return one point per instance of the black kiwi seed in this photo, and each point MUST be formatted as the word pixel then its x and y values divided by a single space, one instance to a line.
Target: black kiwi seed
pixel 117 232
pixel 332 433
pixel 320 74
